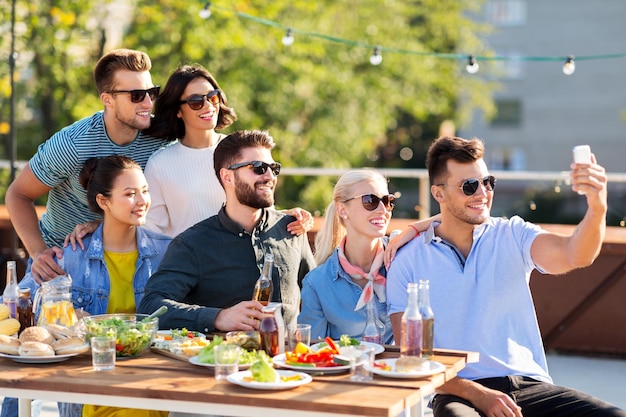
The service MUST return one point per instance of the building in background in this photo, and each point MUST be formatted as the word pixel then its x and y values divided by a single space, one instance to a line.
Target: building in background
pixel 543 113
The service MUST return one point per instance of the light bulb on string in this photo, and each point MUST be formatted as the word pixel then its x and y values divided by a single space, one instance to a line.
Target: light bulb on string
pixel 570 66
pixel 288 38
pixel 376 58
pixel 205 13
pixel 472 65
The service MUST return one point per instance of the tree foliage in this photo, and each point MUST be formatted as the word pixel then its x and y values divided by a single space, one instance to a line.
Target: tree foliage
pixel 322 100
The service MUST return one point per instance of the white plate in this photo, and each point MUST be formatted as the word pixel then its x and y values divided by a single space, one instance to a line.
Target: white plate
pixel 377 348
pixel 242 378
pixel 431 368
pixel 194 360
pixel 280 360
pixel 39 359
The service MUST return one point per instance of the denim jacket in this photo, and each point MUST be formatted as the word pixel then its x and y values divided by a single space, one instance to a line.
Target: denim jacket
pixel 90 276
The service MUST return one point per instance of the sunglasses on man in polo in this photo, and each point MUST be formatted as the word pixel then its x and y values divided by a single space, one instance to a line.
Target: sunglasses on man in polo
pixel 470 186
pixel 196 101
pixel 259 167
pixel 137 96
pixel 371 201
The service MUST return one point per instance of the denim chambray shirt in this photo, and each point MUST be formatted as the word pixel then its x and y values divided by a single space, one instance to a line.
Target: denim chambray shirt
pixel 90 277
pixel 329 296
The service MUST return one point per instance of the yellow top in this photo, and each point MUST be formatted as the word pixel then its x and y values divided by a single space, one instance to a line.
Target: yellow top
pixel 121 268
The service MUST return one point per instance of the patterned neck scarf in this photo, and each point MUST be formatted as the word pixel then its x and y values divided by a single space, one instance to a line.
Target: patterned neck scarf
pixel 375 281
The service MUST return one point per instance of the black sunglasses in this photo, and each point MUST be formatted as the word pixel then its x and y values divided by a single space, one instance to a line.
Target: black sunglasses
pixel 470 186
pixel 259 167
pixel 371 201
pixel 137 96
pixel 196 101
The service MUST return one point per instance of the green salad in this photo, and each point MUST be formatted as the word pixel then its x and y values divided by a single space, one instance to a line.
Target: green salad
pixel 131 337
pixel 206 354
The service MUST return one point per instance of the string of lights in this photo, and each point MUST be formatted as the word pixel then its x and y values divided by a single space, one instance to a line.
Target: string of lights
pixel 376 58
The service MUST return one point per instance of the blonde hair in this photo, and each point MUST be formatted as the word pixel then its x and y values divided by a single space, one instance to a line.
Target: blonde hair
pixel 333 230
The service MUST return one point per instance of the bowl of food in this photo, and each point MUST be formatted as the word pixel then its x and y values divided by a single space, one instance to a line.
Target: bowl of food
pixel 134 333
pixel 246 340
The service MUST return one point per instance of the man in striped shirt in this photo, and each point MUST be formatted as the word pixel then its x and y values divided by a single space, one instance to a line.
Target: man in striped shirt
pixel 125 87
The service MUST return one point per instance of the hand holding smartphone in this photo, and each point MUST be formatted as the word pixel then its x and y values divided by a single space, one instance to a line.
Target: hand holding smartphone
pixel 582 155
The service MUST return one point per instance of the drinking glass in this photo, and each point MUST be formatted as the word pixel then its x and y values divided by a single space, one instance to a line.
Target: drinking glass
pixel 226 357
pixel 103 353
pixel 298 333
pixel 361 362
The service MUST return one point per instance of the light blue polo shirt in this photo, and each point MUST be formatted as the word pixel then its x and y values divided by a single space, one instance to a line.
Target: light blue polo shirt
pixel 482 303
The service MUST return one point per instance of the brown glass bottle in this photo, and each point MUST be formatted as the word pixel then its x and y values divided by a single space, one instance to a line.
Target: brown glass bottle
pixel 269 332
pixel 264 286
pixel 25 313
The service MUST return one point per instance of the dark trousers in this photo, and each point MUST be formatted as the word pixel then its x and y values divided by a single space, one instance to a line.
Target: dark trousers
pixel 537 399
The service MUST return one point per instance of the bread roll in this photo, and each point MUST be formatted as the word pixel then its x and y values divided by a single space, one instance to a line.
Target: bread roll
pixel 70 345
pixel 36 349
pixel 9 345
pixel 61 332
pixel 410 364
pixel 36 334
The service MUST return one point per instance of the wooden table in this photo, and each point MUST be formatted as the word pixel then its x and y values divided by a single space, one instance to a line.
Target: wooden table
pixel 158 382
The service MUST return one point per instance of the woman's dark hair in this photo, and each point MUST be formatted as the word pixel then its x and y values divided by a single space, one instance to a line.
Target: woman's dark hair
pixel 166 123
pixel 99 174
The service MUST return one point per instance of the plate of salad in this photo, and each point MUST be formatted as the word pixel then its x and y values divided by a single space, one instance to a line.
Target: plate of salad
pixel 346 340
pixel 205 356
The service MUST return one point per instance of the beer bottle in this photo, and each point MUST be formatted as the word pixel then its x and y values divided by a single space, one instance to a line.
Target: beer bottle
pixel 264 286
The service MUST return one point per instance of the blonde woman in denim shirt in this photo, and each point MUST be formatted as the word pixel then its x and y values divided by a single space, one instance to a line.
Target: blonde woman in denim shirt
pixel 349 252
pixel 110 274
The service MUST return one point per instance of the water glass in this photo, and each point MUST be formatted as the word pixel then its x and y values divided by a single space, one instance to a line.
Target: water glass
pixel 103 353
pixel 226 357
pixel 361 362
pixel 298 333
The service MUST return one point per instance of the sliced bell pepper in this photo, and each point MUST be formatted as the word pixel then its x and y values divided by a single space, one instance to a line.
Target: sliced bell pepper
pixel 331 344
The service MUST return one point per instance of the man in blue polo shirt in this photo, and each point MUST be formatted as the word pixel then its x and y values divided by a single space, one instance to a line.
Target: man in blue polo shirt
pixel 479 269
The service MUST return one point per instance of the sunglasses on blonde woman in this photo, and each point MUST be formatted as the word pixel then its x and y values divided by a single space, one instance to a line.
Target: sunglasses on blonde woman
pixel 371 201
pixel 196 101
pixel 137 96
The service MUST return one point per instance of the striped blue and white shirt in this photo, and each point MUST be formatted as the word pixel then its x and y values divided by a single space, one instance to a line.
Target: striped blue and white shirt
pixel 58 162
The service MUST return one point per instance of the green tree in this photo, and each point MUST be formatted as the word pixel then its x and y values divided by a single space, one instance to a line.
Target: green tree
pixel 320 98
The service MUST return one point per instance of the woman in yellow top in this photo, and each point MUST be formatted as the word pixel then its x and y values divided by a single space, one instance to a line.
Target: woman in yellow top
pixel 110 273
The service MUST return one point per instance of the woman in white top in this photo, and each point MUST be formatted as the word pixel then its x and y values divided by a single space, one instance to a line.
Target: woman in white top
pixel 182 180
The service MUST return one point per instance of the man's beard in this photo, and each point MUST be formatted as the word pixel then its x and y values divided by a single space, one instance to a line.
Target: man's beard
pixel 247 195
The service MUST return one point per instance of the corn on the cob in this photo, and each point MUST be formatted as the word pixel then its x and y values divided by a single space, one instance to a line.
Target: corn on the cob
pixel 4 311
pixel 9 326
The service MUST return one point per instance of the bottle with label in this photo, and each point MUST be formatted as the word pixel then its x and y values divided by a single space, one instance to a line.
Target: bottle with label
pixel 25 309
pixel 411 333
pixel 11 293
pixel 268 330
pixel 264 286
pixel 428 319
pixel 372 332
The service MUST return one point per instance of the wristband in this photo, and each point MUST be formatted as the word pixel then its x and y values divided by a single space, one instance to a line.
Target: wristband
pixel 416 231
